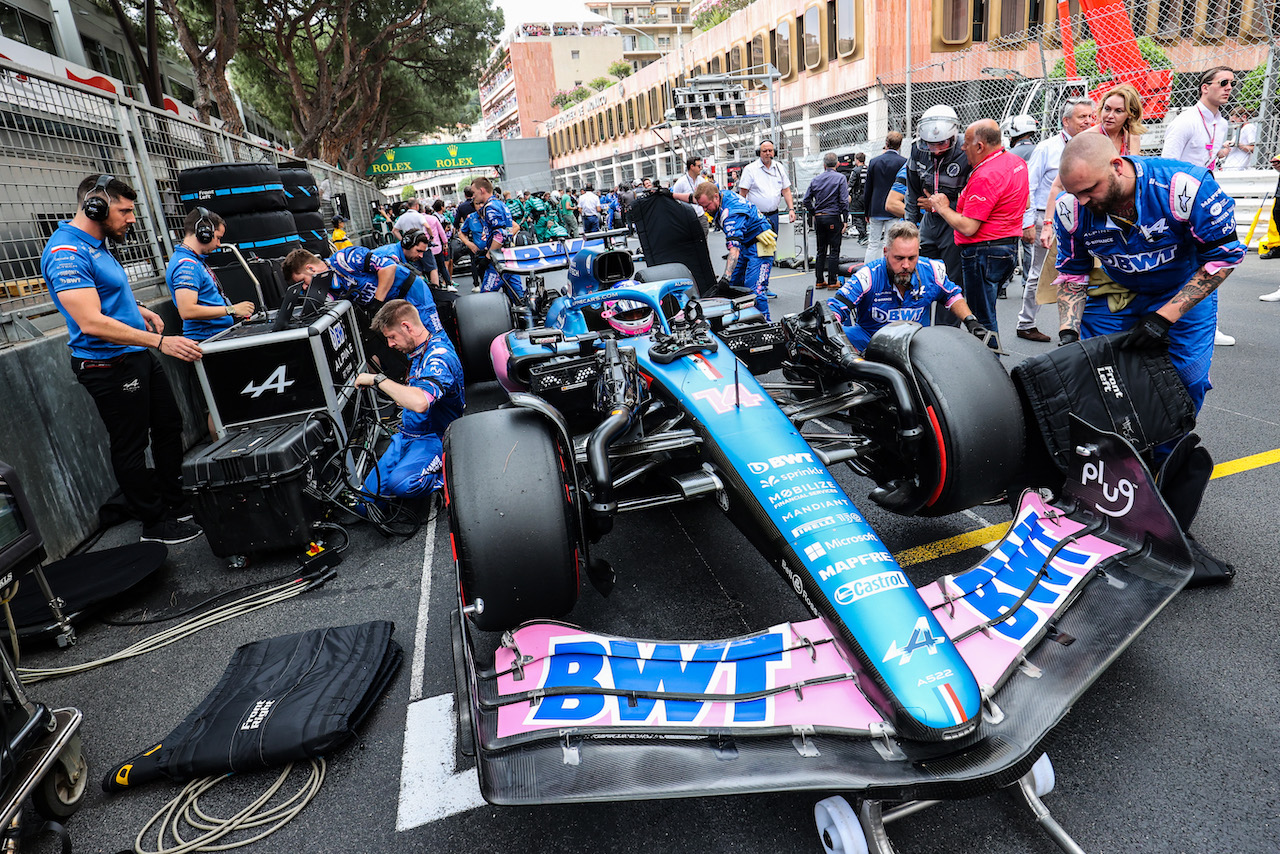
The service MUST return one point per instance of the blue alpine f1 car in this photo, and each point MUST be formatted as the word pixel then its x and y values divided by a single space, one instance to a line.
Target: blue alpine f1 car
pixel 630 391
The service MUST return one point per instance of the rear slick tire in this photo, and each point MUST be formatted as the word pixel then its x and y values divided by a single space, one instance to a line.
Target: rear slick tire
pixel 511 520
pixel 481 318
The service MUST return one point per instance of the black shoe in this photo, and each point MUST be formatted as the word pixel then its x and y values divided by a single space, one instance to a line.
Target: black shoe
pixel 183 512
pixel 1003 293
pixel 1269 254
pixel 170 532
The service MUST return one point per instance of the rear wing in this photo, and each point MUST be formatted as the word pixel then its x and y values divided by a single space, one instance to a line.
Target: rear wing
pixel 552 255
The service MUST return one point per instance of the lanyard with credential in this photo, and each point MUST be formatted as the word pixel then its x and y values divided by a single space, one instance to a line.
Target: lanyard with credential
pixel 1211 134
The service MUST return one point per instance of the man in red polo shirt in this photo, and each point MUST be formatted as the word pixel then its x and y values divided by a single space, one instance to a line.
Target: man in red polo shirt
pixel 987 218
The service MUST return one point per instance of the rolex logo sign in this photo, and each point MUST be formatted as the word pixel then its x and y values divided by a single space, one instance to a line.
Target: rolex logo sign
pixel 391 155
pixel 453 151
pixel 453 161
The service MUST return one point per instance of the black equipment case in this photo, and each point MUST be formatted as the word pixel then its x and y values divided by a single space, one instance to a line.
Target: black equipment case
pixel 256 489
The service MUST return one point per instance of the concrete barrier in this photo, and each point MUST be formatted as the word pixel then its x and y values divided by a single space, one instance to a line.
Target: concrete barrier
pixel 51 434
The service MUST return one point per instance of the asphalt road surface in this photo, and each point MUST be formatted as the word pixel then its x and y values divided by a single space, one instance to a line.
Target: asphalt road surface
pixel 1173 750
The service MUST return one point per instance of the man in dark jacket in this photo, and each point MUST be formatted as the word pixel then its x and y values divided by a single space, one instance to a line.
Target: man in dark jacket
pixel 827 200
pixel 857 185
pixel 878 181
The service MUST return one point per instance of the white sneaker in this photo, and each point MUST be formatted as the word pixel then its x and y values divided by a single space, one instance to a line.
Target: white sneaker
pixel 1221 339
pixel 1274 296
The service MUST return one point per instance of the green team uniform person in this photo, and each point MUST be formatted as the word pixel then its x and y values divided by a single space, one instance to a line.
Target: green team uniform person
pixel 546 223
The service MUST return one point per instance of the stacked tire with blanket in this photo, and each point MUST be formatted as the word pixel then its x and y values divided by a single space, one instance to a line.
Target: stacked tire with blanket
pixel 302 197
pixel 252 198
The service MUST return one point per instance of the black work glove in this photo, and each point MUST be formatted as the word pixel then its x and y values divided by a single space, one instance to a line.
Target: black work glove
pixel 1067 336
pixel 1151 333
pixel 722 285
pixel 975 328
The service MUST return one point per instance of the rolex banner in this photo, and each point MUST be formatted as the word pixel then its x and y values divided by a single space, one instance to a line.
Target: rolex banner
pixel 428 158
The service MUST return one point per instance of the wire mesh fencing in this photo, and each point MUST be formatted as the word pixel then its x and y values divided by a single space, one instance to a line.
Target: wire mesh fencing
pixel 54 133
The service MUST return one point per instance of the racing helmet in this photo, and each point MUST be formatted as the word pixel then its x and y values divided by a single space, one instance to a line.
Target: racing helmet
pixel 628 316
pixel 1021 125
pixel 939 123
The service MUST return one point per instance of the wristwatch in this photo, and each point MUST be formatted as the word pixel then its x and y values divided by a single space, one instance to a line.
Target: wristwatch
pixel 379 379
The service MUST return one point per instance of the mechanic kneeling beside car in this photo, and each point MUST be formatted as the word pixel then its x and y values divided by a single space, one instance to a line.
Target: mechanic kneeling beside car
pixel 898 287
pixel 432 398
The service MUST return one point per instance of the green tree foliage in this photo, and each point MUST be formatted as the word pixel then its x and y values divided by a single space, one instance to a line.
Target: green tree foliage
pixel 406 192
pixel 1086 53
pixel 352 78
pixel 620 69
pixel 600 83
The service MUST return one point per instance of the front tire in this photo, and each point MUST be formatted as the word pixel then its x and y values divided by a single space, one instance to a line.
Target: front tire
pixel 975 435
pixel 512 519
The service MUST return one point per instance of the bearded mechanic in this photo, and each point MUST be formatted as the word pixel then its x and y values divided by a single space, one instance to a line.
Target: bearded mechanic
pixel 1162 229
pixel 897 286
pixel 431 395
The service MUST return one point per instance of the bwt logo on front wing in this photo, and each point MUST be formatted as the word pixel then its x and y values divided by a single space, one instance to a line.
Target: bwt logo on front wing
pixel 780 462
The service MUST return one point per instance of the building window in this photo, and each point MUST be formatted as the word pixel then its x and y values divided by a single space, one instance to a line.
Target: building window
pixel 735 59
pixel 957 20
pixel 846 27
pixel 715 65
pixel 26 28
pixel 812 38
pixel 782 55
pixel 105 60
pixel 575 54
pixel 631 117
pixel 757 54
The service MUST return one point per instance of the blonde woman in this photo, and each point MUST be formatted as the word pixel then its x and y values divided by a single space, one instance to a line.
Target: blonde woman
pixel 1120 118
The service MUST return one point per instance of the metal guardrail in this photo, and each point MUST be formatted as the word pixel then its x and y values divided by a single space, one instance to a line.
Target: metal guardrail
pixel 54 132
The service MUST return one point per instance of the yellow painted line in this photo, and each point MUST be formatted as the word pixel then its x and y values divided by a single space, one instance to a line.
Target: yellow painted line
pixel 1266 458
pixel 952 545
pixel 992 533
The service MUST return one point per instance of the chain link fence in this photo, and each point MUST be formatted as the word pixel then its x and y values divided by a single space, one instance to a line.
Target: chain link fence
pixel 1159 47
pixel 53 133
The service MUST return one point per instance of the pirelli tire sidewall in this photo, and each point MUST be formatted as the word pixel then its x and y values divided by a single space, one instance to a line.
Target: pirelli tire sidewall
pixel 230 189
pixel 511 517
pixel 269 234
pixel 301 192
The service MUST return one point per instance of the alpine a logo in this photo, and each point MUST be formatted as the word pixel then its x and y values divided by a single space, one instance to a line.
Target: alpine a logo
pixel 921 640
pixel 277 382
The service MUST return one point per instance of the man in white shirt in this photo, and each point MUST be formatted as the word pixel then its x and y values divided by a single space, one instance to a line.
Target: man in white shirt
pixel 1241 151
pixel 589 207
pixel 684 186
pixel 1199 135
pixel 411 220
pixel 1078 114
pixel 765 184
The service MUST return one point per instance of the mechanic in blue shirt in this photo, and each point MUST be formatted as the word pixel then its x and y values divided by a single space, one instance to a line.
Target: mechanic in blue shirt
pixel 827 200
pixel 432 398
pixel 1165 231
pixel 367 279
pixel 470 235
pixel 110 335
pixel 413 250
pixel 203 307
pixel 496 232
pixel 897 286
pixel 750 240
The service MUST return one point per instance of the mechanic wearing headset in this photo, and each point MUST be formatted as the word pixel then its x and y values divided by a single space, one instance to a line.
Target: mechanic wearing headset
pixel 367 279
pixel 897 287
pixel 496 231
pixel 432 398
pixel 203 307
pixel 110 335
pixel 750 240
pixel 413 250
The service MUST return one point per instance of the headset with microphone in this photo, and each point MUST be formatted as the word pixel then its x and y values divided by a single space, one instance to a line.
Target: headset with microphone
pixel 97 202
pixel 204 226
pixel 412 238
pixel 761 145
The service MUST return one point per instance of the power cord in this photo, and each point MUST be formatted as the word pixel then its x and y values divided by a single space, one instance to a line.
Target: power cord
pixel 221 614
pixel 184 813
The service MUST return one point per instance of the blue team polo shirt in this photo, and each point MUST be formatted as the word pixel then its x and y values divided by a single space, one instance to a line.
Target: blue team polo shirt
pixel 73 259
pixel 188 269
